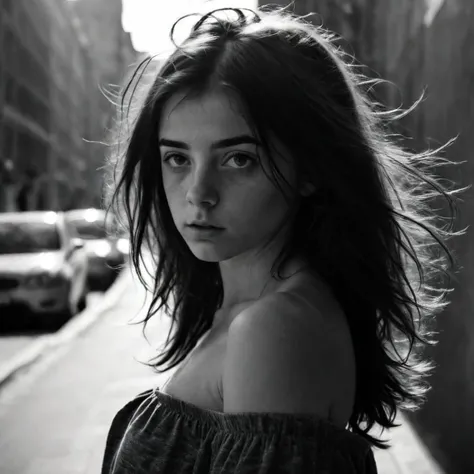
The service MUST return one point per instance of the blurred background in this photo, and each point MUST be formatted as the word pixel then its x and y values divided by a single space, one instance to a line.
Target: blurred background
pixel 67 294
pixel 56 59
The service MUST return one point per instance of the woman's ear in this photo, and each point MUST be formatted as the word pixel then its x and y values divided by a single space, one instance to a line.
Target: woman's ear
pixel 307 189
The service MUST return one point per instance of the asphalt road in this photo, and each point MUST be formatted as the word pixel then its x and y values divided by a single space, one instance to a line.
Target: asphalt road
pixel 13 342
pixel 55 415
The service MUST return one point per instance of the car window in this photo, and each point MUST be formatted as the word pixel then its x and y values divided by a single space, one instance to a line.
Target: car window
pixel 28 237
pixel 89 230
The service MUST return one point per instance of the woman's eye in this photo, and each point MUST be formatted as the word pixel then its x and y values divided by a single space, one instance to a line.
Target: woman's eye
pixel 239 160
pixel 175 160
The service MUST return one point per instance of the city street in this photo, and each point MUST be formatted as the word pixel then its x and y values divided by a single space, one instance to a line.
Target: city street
pixel 55 415
pixel 13 343
pixel 371 105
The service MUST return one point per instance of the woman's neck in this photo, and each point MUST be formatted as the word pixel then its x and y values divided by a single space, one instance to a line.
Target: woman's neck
pixel 247 279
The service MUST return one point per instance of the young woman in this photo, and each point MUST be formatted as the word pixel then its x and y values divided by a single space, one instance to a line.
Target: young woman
pixel 296 254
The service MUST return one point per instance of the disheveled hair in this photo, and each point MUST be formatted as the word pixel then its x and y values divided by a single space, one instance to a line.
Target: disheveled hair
pixel 369 229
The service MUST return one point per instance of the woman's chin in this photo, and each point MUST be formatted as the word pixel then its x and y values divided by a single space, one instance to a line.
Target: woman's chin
pixel 205 254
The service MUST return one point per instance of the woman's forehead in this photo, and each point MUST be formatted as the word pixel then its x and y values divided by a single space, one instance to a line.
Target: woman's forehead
pixel 215 111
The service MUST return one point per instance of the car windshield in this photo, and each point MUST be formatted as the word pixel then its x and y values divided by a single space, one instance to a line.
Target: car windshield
pixel 28 237
pixel 89 230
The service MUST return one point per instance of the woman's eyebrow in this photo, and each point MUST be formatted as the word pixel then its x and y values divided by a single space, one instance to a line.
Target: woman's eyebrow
pixel 238 140
pixel 224 143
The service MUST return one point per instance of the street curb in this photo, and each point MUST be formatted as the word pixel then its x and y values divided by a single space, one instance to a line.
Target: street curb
pixel 69 331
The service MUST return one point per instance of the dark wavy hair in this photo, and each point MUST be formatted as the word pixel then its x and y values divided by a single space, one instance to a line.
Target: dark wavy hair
pixel 369 229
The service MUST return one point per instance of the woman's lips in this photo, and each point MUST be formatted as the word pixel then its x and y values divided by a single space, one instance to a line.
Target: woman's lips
pixel 203 230
pixel 203 225
pixel 199 226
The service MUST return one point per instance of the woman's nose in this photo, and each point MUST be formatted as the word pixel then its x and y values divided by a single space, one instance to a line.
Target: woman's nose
pixel 202 190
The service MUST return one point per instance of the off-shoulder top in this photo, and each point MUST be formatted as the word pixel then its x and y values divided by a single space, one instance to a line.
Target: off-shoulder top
pixel 156 433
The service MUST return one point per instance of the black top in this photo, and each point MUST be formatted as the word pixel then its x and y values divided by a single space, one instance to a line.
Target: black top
pixel 158 434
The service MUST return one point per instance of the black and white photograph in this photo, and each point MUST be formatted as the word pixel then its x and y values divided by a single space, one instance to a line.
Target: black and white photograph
pixel 235 237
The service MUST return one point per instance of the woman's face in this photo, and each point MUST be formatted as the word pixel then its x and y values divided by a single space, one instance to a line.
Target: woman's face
pixel 212 177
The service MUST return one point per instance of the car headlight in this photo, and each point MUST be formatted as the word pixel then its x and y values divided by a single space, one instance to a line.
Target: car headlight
pixel 123 246
pixel 102 249
pixel 44 280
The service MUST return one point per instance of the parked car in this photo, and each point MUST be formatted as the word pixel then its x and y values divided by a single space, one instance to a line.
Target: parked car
pixel 106 251
pixel 43 267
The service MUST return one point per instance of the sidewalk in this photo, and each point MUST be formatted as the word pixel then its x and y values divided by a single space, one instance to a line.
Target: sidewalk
pixel 407 454
pixel 55 416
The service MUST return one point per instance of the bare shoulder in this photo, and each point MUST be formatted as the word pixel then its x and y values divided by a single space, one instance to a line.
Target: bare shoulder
pixel 288 353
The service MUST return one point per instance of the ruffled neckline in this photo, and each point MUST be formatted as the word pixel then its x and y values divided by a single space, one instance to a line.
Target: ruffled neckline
pixel 259 422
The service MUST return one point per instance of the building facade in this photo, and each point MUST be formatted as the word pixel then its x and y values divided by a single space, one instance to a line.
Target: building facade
pixel 53 113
